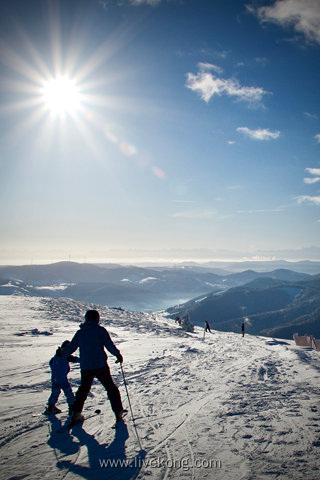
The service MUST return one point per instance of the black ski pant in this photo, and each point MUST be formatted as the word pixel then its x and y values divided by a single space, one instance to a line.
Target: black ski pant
pixel 104 376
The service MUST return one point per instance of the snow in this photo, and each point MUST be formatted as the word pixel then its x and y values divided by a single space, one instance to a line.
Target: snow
pixel 147 279
pixel 223 407
pixel 9 284
pixel 200 299
pixel 54 288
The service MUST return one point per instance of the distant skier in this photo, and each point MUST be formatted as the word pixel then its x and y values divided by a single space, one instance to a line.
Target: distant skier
pixel 242 328
pixel 207 327
pixel 59 380
pixel 91 338
pixel 178 320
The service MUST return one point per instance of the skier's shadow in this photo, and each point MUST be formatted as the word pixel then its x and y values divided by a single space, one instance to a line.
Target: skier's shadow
pixel 105 461
pixel 64 443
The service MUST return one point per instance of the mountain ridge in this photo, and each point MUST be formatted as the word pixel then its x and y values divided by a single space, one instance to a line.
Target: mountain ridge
pixel 267 306
pixel 134 288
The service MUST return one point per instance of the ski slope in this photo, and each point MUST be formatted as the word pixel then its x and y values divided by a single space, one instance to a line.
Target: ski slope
pixel 223 407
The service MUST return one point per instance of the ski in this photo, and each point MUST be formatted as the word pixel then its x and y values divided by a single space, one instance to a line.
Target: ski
pixel 70 424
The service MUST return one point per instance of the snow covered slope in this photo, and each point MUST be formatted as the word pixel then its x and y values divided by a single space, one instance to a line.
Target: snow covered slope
pixel 223 407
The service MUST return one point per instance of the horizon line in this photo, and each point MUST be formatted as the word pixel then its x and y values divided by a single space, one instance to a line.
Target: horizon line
pixel 157 261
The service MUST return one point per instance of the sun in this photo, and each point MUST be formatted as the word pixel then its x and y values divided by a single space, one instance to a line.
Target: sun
pixel 61 95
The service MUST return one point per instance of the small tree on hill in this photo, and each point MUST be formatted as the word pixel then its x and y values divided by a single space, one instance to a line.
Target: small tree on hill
pixel 186 325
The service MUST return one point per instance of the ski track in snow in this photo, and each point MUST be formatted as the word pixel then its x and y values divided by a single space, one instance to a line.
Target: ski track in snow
pixel 224 408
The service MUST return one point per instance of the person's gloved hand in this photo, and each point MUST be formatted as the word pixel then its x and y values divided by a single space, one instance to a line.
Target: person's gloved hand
pixel 119 358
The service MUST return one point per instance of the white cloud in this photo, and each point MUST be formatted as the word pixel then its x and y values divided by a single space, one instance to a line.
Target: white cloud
pixel 207 85
pixel 210 66
pixel 311 115
pixel 272 210
pixel 222 53
pixel 315 172
pixel 261 60
pixel 309 199
pixel 317 137
pixel 194 214
pixel 303 15
pixel 153 3
pixel 260 133
pixel 311 180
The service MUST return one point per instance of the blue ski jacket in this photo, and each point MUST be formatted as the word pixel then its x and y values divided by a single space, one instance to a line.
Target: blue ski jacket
pixel 60 368
pixel 91 338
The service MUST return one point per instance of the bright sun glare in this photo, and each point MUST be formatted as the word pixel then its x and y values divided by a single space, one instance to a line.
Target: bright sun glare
pixel 61 95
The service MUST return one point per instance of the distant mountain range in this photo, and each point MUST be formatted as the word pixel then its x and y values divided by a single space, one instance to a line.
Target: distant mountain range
pixel 270 306
pixel 228 267
pixel 132 287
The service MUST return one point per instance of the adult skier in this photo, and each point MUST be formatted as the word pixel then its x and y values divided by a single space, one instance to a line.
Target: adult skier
pixel 91 339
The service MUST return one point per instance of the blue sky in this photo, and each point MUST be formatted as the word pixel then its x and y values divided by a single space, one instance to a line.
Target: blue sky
pixel 190 129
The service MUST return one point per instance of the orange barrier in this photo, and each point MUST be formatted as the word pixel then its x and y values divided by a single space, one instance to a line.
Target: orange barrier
pixel 307 341
pixel 315 344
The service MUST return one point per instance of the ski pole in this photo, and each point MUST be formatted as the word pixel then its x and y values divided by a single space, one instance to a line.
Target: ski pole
pixel 132 416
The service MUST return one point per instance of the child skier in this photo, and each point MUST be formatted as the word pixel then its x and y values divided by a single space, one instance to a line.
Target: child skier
pixel 59 380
